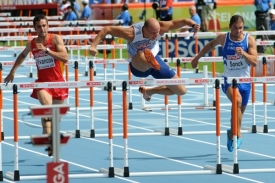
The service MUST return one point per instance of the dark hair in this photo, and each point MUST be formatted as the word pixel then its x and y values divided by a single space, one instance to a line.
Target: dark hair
pixel 125 7
pixel 236 18
pixel 38 18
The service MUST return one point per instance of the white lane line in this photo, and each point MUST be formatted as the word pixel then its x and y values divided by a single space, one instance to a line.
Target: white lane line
pixel 70 162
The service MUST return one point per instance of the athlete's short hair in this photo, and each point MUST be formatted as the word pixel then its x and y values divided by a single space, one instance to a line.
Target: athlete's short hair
pixel 236 18
pixel 38 18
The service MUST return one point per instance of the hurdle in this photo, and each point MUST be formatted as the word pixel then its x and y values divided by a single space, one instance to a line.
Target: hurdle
pixel 206 104
pixel 235 168
pixel 75 84
pixel 125 172
pixel 99 85
pixel 264 80
pixel 16 174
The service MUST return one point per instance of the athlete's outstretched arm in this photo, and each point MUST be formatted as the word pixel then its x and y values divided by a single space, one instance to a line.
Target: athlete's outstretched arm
pixel 19 60
pixel 126 33
pixel 219 40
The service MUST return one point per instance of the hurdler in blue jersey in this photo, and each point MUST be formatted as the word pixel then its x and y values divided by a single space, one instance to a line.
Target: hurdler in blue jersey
pixel 239 53
pixel 143 46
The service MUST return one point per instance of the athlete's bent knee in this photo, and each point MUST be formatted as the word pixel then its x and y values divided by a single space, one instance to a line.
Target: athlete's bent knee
pixel 182 91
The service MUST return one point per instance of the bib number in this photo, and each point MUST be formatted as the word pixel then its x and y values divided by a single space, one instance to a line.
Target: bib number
pixel 45 62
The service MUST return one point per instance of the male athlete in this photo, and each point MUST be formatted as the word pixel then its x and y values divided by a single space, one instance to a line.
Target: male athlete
pixel 50 55
pixel 143 46
pixel 239 53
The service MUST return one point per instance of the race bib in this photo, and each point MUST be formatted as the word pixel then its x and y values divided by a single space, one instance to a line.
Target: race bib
pixel 235 62
pixel 45 62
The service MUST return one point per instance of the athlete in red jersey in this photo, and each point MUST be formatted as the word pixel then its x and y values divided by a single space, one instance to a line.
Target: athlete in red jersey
pixel 50 55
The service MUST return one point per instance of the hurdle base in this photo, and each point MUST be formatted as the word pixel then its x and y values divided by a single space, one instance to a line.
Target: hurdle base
pixel 10 176
pixel 231 169
pixel 94 73
pixel 176 132
pixel 1 175
pixel 86 73
pixel 92 133
pixel 256 129
pixel 214 103
pixel 122 173
pixel 265 130
pixel 166 131
pixel 130 105
pixel 77 133
pixel 217 169
pixel 126 172
pixel 179 130
pixel 3 136
pixel 30 75
pixel 13 175
pixel 110 172
pixel 253 129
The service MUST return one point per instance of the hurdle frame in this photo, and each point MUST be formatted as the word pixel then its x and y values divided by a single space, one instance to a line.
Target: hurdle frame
pixel 125 172
pixel 234 169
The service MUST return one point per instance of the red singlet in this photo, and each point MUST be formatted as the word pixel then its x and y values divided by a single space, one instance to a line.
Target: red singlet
pixel 49 70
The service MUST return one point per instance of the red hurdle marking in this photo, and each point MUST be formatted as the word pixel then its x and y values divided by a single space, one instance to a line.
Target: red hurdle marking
pixel 45 140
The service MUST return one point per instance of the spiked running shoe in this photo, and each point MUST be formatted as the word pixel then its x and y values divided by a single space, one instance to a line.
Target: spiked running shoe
pixel 142 90
pixel 239 142
pixel 229 142
pixel 151 59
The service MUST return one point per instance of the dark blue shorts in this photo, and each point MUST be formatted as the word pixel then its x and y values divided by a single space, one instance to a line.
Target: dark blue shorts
pixel 165 71
pixel 244 89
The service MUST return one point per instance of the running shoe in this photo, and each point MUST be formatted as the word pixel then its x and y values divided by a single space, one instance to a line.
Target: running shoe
pixel 239 142
pixel 50 151
pixel 142 90
pixel 229 142
pixel 151 59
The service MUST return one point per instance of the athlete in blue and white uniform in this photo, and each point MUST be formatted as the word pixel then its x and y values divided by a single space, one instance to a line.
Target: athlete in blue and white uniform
pixel 239 53
pixel 143 46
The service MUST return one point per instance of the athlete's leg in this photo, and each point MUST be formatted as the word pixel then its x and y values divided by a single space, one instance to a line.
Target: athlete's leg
pixel 167 90
pixel 45 98
pixel 139 62
pixel 229 93
pixel 165 73
pixel 144 60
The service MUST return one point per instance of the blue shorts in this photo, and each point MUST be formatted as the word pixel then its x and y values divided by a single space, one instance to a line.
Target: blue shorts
pixel 165 71
pixel 244 89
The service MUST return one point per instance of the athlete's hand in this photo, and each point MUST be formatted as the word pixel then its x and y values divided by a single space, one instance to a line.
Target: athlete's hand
pixel 195 62
pixel 239 51
pixel 93 51
pixel 40 46
pixel 9 78
pixel 196 29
